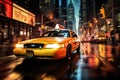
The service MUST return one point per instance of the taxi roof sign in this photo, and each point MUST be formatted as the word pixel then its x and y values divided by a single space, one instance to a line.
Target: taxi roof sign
pixel 57 26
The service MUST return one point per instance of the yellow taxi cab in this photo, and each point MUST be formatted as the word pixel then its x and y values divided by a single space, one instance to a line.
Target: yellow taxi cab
pixel 55 44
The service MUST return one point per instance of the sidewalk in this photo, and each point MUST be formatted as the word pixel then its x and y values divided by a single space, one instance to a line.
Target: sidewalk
pixel 6 49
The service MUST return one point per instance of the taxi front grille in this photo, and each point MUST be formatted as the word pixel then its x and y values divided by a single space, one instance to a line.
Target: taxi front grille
pixel 33 45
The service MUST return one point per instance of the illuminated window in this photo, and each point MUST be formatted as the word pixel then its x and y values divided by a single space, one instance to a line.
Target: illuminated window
pixel 47 1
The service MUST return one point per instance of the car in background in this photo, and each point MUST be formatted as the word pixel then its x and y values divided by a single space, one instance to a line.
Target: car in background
pixel 100 39
pixel 55 44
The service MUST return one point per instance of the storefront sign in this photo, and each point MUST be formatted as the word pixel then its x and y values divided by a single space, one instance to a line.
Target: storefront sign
pixel 23 15
pixel 6 8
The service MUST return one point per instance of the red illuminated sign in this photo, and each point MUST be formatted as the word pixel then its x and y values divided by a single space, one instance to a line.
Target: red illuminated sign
pixel 6 8
pixel 23 15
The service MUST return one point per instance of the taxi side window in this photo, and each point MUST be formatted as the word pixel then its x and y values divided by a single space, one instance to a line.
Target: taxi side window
pixel 73 34
pixel 64 34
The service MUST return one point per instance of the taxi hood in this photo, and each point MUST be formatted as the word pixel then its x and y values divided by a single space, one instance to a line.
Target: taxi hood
pixel 45 40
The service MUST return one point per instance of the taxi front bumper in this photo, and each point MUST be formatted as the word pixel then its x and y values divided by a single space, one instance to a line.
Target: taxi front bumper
pixel 57 53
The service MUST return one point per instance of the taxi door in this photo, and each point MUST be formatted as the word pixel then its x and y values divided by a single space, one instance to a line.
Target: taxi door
pixel 75 42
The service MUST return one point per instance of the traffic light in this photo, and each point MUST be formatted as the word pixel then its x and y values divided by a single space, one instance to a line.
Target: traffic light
pixel 102 12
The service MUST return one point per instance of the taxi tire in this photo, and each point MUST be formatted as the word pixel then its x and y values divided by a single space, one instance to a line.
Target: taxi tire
pixel 68 53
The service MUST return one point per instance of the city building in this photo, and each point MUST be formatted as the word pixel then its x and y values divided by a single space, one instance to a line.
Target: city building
pixel 87 13
pixel 16 23
pixel 111 22
pixel 44 11
pixel 71 21
pixel 63 12
pixel 100 17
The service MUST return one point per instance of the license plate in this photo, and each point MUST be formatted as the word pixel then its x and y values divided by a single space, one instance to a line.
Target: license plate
pixel 29 53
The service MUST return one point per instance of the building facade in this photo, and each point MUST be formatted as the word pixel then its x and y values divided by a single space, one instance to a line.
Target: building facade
pixel 16 23
pixel 87 12
pixel 112 19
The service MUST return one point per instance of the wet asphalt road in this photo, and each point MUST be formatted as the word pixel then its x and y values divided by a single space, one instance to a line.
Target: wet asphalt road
pixel 96 62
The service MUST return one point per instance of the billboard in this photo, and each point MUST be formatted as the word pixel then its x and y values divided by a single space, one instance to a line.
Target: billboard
pixel 23 15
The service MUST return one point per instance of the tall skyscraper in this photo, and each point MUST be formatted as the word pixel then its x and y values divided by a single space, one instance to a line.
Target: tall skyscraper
pixel 71 16
pixel 63 11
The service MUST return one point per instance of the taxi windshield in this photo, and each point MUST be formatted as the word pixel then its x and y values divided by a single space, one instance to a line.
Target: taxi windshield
pixel 57 34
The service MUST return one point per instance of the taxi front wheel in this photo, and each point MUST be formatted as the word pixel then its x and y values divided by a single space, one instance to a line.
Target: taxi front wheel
pixel 68 53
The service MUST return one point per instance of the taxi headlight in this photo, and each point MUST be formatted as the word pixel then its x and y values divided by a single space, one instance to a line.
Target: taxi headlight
pixel 19 45
pixel 54 45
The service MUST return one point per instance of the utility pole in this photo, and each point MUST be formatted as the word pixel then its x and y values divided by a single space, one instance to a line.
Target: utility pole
pixel 42 26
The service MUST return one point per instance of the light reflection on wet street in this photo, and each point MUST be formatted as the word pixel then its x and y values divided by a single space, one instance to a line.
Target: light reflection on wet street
pixel 96 62
pixel 101 61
